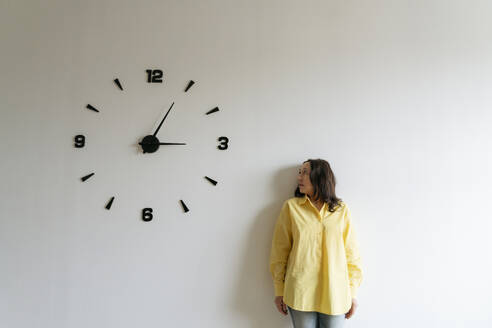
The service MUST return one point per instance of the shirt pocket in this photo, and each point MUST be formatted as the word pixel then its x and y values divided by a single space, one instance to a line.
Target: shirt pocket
pixel 307 257
pixel 332 231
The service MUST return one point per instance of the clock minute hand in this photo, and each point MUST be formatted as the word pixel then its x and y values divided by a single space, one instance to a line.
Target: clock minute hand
pixel 155 133
pixel 172 143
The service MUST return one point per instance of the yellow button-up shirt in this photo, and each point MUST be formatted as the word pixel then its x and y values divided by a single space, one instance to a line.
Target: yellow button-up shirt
pixel 314 260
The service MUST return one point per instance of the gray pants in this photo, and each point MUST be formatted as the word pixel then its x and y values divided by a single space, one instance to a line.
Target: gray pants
pixel 311 319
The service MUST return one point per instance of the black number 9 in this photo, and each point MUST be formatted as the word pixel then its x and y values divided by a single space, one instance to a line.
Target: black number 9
pixel 79 141
pixel 147 214
pixel 223 143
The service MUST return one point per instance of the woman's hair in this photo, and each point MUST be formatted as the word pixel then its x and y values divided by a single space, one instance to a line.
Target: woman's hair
pixel 323 181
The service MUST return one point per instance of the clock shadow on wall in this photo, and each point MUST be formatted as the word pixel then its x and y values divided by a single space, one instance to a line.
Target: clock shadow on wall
pixel 150 144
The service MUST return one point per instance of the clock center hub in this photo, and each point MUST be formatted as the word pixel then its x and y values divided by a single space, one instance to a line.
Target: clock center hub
pixel 149 144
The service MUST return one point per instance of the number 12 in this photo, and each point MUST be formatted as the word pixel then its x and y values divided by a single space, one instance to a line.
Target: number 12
pixel 154 75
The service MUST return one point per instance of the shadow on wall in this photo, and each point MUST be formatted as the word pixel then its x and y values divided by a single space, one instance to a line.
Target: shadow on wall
pixel 254 294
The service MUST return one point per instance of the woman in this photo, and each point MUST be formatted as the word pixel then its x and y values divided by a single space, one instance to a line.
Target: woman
pixel 314 260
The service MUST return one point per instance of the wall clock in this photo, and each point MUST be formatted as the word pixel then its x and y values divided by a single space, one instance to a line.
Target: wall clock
pixel 150 143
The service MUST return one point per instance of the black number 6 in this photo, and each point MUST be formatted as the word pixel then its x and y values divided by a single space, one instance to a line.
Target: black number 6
pixel 147 214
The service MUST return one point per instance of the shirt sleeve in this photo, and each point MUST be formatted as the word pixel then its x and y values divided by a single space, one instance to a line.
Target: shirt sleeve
pixel 281 246
pixel 352 254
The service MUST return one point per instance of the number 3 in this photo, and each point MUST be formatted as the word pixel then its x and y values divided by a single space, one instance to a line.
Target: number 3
pixel 223 143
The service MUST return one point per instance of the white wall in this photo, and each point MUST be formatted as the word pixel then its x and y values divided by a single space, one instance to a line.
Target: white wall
pixel 396 95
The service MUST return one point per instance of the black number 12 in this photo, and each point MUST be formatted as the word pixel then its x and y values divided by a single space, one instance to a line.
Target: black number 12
pixel 154 75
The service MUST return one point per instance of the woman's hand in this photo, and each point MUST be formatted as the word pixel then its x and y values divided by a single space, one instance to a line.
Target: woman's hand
pixel 281 306
pixel 352 309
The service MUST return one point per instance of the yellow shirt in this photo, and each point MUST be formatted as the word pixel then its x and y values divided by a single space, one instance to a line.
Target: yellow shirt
pixel 314 260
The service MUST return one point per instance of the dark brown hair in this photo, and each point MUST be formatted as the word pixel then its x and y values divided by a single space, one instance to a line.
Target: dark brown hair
pixel 323 181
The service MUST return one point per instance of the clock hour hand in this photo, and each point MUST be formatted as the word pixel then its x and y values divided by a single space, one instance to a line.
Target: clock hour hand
pixel 156 142
pixel 150 144
pixel 155 133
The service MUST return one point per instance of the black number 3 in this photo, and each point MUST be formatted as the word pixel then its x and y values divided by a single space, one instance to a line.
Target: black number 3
pixel 154 76
pixel 223 143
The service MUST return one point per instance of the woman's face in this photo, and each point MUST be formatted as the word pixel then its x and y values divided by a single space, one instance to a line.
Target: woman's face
pixel 303 179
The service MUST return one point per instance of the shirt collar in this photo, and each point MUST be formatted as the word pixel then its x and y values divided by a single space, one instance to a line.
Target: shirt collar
pixel 305 199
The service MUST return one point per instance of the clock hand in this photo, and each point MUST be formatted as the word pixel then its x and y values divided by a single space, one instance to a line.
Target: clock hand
pixel 155 133
pixel 150 144
pixel 161 143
